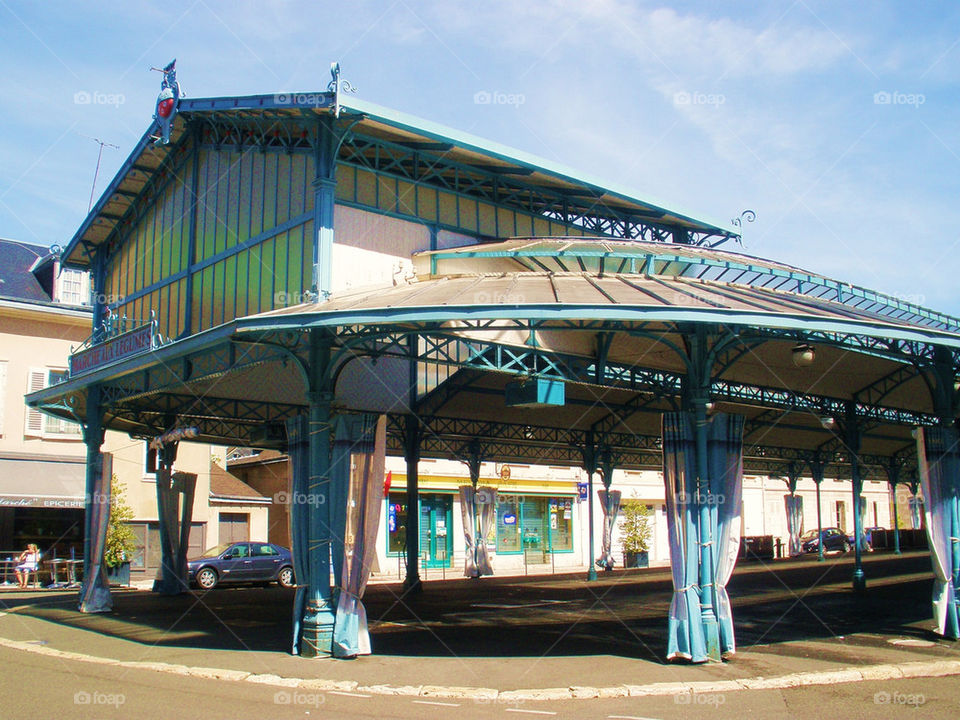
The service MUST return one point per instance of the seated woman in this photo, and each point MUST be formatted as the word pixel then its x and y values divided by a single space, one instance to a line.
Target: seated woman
pixel 29 562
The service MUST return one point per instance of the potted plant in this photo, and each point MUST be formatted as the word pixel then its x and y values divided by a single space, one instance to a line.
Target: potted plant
pixel 635 534
pixel 120 539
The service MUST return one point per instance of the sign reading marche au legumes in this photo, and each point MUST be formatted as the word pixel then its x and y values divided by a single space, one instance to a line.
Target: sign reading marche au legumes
pixel 125 345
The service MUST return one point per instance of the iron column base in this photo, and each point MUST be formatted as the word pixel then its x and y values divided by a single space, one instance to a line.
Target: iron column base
pixel 317 638
pixel 711 636
pixel 412 585
pixel 859 581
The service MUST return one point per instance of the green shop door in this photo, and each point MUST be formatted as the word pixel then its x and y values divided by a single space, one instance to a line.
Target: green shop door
pixel 436 523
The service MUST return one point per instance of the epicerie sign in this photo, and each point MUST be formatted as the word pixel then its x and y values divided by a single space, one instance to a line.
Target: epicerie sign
pixel 122 346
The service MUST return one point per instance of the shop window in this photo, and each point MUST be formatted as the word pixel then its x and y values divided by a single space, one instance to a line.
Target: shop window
pixel 508 524
pixel 543 524
pixel 396 522
pixel 561 523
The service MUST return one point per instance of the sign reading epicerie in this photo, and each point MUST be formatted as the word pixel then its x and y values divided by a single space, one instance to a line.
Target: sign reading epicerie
pixel 130 343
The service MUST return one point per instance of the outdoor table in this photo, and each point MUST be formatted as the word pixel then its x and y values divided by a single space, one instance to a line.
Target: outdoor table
pixel 55 565
pixel 8 564
pixel 72 566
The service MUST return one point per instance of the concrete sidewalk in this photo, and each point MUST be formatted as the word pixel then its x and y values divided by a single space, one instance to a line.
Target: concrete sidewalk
pixel 529 638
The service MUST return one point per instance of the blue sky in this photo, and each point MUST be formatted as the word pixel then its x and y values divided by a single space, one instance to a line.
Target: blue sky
pixel 836 122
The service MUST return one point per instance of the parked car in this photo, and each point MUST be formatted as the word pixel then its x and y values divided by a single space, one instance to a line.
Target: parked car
pixel 242 562
pixel 868 533
pixel 834 539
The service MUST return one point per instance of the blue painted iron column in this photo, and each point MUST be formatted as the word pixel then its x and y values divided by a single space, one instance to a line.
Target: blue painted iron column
pixel 696 397
pixel 95 593
pixel 474 461
pixel 816 470
pixel 947 408
pixel 607 466
pixel 589 452
pixel 411 454
pixel 893 477
pixel 324 189
pixel 793 477
pixel 317 639
pixel 852 432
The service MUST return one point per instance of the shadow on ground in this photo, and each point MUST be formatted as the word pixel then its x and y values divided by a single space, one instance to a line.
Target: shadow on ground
pixel 622 614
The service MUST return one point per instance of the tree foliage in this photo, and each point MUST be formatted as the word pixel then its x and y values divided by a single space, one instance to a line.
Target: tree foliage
pixel 635 526
pixel 120 538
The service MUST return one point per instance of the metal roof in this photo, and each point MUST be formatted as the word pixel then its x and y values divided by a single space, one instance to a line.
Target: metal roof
pixel 603 256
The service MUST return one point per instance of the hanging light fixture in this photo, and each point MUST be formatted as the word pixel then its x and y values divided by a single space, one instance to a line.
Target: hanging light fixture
pixel 803 355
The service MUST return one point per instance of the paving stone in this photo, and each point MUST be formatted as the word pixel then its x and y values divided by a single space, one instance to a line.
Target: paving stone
pixel 217 673
pixel 269 679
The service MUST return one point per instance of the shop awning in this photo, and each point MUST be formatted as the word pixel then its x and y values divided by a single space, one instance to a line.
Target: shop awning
pixel 45 483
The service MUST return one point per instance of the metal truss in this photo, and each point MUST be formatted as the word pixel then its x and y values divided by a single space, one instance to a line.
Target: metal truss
pixel 446 347
pixel 455 438
pixel 426 165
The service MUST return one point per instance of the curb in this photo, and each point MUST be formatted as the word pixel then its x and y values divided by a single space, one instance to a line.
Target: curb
pixel 915 669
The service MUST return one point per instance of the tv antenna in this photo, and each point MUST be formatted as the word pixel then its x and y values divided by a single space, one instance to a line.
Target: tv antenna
pixel 96 172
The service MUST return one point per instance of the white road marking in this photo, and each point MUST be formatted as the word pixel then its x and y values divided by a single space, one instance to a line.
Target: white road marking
pixel 531 712
pixel 347 694
pixel 441 704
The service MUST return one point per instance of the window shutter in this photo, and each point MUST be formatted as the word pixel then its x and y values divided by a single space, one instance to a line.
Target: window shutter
pixel 37 381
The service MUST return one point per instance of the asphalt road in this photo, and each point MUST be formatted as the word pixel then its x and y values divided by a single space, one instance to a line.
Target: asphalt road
pixel 497 632
pixel 34 686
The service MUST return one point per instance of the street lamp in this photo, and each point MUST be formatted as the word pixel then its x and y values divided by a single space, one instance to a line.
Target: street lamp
pixel 803 355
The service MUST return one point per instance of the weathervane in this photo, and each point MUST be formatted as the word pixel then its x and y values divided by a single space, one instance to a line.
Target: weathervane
pixel 168 102
pixel 336 86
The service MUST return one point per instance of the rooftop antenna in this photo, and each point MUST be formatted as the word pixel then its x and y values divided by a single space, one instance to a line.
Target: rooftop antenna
pixel 96 172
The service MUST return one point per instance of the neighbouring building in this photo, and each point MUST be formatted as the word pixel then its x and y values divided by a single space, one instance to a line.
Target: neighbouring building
pixel 44 316
pixel 542 524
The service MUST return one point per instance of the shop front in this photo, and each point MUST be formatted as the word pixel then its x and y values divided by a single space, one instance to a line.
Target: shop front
pixel 534 526
pixel 436 528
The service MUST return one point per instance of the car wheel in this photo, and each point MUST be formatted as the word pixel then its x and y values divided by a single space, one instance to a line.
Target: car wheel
pixel 846 547
pixel 207 578
pixel 285 576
